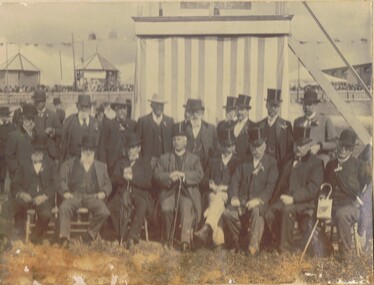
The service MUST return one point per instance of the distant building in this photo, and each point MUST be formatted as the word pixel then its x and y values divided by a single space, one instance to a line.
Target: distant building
pixel 19 74
pixel 96 74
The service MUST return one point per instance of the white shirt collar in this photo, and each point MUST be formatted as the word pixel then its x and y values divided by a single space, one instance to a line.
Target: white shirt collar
pixel 81 120
pixel 239 126
pixel 256 161
pixel 156 119
pixel 341 161
pixel 271 120
pixel 180 153
pixel 226 159
pixel 311 117
pixel 37 166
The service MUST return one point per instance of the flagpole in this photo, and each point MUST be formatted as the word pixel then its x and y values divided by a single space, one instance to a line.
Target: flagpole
pixel 61 67
pixel 7 79
pixel 75 76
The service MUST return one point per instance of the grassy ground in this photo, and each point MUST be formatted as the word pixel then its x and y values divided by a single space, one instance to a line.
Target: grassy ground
pixel 108 263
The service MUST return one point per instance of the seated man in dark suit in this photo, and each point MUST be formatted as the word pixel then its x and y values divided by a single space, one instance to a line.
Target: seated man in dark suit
pixel 34 186
pixel 132 174
pixel 84 183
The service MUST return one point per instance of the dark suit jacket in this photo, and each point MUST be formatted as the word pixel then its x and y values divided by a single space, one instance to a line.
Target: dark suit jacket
pixel 50 120
pixel 17 117
pixel 111 140
pixel 242 144
pixel 247 185
pixel 284 140
pixel 61 115
pixel 145 131
pixel 193 172
pixel 5 131
pixel 26 179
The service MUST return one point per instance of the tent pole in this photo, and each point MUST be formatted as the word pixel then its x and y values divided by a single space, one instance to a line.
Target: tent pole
pixel 75 76
pixel 7 79
pixel 358 78
pixel 61 67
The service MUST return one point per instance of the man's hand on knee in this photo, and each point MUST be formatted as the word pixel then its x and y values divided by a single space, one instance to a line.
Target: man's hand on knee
pixel 68 195
pixel 38 200
pixel 25 197
pixel 100 195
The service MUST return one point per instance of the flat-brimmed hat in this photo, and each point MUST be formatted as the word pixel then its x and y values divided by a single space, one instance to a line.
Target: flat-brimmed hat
pixel 88 142
pixel 157 98
pixel 179 129
pixel 256 135
pixel 56 101
pixel 348 137
pixel 188 103
pixel 39 96
pixel 230 103
pixel 310 97
pixel 39 142
pixel 4 111
pixel 301 135
pixel 243 101
pixel 132 140
pixel 226 136
pixel 84 100
pixel 194 105
pixel 274 96
pixel 29 111
pixel 120 101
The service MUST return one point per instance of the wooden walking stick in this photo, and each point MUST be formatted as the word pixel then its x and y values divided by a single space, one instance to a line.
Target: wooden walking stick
pixel 172 233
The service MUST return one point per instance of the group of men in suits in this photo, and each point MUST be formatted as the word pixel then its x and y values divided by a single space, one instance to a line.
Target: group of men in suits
pixel 239 184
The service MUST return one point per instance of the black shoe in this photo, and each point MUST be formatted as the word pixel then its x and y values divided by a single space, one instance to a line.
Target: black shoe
pixel 64 242
pixel 185 247
pixel 205 233
pixel 130 244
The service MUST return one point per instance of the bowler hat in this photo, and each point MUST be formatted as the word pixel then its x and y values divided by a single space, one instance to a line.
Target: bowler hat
pixel 274 96
pixel 39 96
pixel 88 142
pixel 4 111
pixel 29 111
pixel 120 101
pixel 157 98
pixel 348 137
pixel 310 97
pixel 179 129
pixel 226 136
pixel 39 142
pixel 243 101
pixel 56 101
pixel 84 100
pixel 256 135
pixel 194 105
pixel 301 135
pixel 132 139
pixel 188 103
pixel 230 103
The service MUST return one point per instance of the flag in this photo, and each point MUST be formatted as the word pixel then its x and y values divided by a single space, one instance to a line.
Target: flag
pixel 210 68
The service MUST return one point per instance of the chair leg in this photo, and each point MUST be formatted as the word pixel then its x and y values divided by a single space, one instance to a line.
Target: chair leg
pixel 357 240
pixel 28 223
pixel 146 229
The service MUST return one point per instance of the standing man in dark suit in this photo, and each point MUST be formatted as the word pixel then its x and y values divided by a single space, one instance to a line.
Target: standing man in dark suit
pixel 242 125
pixel 322 131
pixel 59 111
pixel 17 114
pixel 296 194
pixel 76 126
pixel 19 145
pixel 230 120
pixel 34 186
pixel 132 174
pixel 201 136
pixel 112 135
pixel 179 167
pixel 278 131
pixel 6 127
pixel 47 122
pixel 250 190
pixel 155 131
pixel 348 177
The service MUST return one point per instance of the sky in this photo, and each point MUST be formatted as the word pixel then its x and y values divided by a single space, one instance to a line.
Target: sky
pixel 41 30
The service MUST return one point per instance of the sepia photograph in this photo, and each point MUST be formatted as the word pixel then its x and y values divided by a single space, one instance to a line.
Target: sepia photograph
pixel 186 142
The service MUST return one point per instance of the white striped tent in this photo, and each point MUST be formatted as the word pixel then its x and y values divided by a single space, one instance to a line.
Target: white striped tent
pixel 210 66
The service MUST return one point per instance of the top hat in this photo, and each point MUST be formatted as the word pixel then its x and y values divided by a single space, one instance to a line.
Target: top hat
pixel 157 98
pixel 39 142
pixel 274 96
pixel 88 142
pixel 29 111
pixel 131 140
pixel 348 137
pixel 226 136
pixel 243 101
pixel 194 105
pixel 120 101
pixel 179 129
pixel 39 96
pixel 230 103
pixel 56 101
pixel 301 135
pixel 256 135
pixel 4 111
pixel 84 100
pixel 310 97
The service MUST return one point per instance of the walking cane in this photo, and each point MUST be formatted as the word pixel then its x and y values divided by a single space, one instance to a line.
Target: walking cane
pixel 172 233
pixel 316 223
pixel 121 213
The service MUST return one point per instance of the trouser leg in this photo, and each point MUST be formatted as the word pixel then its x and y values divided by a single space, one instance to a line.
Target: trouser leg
pixel 99 212
pixel 67 209
pixel 232 227
pixel 44 212
pixel 140 209
pixel 256 228
pixel 114 207
pixel 187 216
pixel 167 215
pixel 216 208
pixel 9 210
pixel 287 227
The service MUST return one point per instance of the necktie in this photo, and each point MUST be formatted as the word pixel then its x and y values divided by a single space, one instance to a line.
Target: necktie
pixel 85 123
